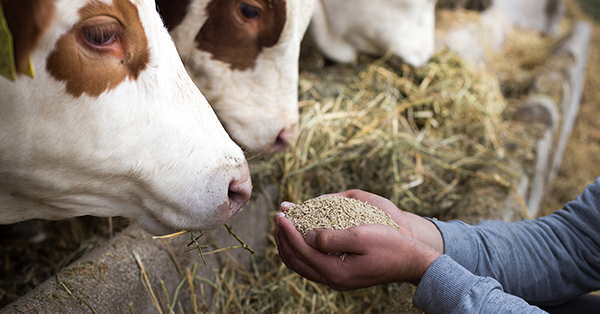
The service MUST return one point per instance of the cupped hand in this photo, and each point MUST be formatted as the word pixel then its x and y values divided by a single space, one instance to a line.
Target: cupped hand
pixel 376 254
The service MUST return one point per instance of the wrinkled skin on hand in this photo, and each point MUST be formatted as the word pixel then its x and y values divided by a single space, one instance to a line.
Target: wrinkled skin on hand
pixel 377 254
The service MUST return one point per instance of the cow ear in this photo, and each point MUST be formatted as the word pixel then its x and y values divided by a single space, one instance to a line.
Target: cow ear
pixel 27 20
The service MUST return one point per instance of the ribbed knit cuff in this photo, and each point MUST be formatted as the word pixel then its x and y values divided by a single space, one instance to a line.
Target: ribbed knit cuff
pixel 445 287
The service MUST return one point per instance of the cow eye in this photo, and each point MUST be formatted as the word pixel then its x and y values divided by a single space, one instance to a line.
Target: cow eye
pixel 100 35
pixel 249 11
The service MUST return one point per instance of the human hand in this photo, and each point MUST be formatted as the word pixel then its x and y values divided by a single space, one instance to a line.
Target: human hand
pixel 410 224
pixel 377 254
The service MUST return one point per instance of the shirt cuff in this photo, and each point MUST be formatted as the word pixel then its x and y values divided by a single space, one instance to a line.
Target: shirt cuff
pixel 446 287
pixel 459 242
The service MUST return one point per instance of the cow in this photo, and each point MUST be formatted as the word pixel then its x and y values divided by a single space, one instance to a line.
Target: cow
pixel 404 28
pixel 243 55
pixel 473 5
pixel 540 15
pixel 486 32
pixel 108 122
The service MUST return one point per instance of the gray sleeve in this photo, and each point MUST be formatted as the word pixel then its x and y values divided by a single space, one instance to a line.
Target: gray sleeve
pixel 448 287
pixel 545 261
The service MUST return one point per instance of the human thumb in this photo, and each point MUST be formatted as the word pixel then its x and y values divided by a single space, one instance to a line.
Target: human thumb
pixel 310 238
pixel 331 241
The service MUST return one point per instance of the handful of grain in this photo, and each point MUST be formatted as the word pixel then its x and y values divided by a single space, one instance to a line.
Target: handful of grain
pixel 336 212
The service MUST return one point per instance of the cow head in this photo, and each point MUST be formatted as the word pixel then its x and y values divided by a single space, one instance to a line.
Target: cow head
pixel 243 55
pixel 111 124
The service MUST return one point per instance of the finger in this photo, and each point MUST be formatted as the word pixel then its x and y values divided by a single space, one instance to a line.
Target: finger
pixel 355 240
pixel 289 257
pixel 333 241
pixel 322 262
pixel 285 206
pixel 378 201
pixel 400 217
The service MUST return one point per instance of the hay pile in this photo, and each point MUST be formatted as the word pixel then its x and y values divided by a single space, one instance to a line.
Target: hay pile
pixel 411 135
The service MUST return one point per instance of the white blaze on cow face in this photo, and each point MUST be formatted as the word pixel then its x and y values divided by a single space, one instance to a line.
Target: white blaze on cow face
pixel 342 29
pixel 111 125
pixel 243 55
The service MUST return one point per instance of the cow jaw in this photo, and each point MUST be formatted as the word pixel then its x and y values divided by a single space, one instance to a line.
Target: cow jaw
pixel 159 219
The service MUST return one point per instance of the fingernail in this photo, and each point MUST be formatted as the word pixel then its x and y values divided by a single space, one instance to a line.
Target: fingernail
pixel 279 215
pixel 286 205
pixel 310 237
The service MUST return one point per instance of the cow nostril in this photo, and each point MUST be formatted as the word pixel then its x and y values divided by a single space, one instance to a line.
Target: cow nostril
pixel 283 140
pixel 239 193
pixel 280 144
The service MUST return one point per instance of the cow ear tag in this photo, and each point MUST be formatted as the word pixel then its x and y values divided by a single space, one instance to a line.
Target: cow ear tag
pixel 7 58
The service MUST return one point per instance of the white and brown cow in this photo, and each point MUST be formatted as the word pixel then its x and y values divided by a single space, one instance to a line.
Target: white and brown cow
pixel 111 124
pixel 243 55
pixel 342 29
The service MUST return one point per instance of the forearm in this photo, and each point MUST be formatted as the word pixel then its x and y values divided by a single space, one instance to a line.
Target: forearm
pixel 550 259
pixel 447 287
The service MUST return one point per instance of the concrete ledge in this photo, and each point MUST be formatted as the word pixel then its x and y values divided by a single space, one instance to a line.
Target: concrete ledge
pixel 577 46
pixel 560 115
pixel 556 94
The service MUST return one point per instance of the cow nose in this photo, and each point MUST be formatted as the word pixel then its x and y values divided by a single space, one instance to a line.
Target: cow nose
pixel 283 139
pixel 239 192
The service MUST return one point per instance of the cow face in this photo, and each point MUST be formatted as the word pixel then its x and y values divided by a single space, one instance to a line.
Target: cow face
pixel 243 55
pixel 111 124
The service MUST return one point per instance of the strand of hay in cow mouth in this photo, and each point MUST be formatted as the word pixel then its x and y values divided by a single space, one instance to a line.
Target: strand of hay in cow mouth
pixel 411 135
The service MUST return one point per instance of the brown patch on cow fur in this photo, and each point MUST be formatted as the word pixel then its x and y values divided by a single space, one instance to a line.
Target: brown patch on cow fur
pixel 27 21
pixel 173 12
pixel 92 71
pixel 235 43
